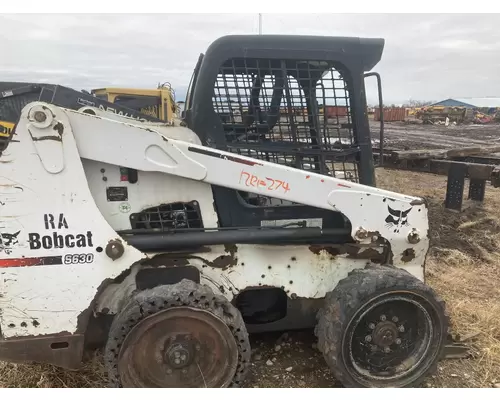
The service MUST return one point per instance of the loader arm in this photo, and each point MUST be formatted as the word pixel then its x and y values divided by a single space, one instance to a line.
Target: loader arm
pixel 374 213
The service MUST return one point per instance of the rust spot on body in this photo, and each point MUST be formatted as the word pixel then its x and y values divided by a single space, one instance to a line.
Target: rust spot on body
pixel 222 262
pixel 231 249
pixel 59 128
pixel 317 249
pixel 370 254
pixel 408 255
pixel 182 258
pixel 353 251
pixel 226 261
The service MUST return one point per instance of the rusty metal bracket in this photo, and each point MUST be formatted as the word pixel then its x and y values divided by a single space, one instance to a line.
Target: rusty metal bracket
pixel 495 177
pixel 62 350
pixel 457 348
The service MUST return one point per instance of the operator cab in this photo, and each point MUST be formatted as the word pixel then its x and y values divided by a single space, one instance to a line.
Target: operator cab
pixel 293 100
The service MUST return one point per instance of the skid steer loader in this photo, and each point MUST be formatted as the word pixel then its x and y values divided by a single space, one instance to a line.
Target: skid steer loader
pixel 169 244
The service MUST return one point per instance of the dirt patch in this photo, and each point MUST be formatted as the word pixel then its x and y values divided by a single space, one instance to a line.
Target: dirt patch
pixel 404 136
pixel 287 360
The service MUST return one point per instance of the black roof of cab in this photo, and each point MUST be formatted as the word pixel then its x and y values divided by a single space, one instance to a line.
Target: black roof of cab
pixel 366 51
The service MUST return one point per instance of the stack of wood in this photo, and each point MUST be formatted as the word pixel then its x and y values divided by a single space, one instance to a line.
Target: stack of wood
pixel 442 154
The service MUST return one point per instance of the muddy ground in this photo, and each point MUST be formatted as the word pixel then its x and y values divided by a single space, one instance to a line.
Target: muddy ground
pixel 412 136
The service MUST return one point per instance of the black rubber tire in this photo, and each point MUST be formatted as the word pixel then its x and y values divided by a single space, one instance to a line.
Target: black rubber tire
pixel 342 304
pixel 185 293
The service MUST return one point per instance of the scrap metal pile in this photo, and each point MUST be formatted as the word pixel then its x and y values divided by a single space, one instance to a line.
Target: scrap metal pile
pixel 457 115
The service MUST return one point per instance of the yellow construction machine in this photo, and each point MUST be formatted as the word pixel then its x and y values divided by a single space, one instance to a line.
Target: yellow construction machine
pixel 159 103
pixel 151 104
pixel 5 128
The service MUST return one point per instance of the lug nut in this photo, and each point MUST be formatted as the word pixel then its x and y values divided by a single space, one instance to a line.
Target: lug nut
pixel 177 354
pixel 397 341
pixel 395 319
pixel 368 338
pixel 401 328
pixel 183 357
pixel 383 317
pixel 387 350
pixel 184 371
pixel 371 325
pixel 177 361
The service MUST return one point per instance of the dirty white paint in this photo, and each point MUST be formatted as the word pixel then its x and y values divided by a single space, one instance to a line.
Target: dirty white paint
pixel 43 299
pixel 63 178
pixel 150 190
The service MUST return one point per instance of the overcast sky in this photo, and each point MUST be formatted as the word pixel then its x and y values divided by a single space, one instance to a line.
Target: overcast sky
pixel 426 56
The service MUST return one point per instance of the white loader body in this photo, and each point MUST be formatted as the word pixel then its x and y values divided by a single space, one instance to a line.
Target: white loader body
pixel 60 211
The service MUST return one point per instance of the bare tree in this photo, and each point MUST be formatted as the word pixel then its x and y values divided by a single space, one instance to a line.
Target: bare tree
pixel 418 103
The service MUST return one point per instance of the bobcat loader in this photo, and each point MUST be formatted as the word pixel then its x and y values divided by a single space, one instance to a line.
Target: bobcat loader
pixel 168 244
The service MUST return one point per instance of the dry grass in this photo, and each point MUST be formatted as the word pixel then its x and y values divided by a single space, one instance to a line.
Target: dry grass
pixel 92 375
pixel 463 266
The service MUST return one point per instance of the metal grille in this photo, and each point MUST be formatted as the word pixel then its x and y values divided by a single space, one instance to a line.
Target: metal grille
pixel 168 217
pixel 294 113
pixel 11 107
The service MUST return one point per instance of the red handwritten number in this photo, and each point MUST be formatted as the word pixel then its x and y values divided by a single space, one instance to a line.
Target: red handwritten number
pixel 280 184
pixel 271 187
pixel 247 178
pixel 255 181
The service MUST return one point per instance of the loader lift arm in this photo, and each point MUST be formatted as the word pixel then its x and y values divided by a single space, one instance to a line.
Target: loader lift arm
pixel 371 211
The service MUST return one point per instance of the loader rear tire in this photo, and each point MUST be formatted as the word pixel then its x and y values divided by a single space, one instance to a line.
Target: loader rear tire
pixel 180 335
pixel 382 327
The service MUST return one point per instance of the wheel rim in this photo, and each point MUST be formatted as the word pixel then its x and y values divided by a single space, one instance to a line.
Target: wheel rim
pixel 390 339
pixel 178 347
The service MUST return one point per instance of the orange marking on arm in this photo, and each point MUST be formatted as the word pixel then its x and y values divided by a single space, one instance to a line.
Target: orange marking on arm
pixel 246 179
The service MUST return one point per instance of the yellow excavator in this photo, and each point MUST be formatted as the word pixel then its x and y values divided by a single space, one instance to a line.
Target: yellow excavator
pixel 159 103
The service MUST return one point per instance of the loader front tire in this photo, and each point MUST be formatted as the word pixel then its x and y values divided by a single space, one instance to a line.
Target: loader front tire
pixel 382 327
pixel 180 335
